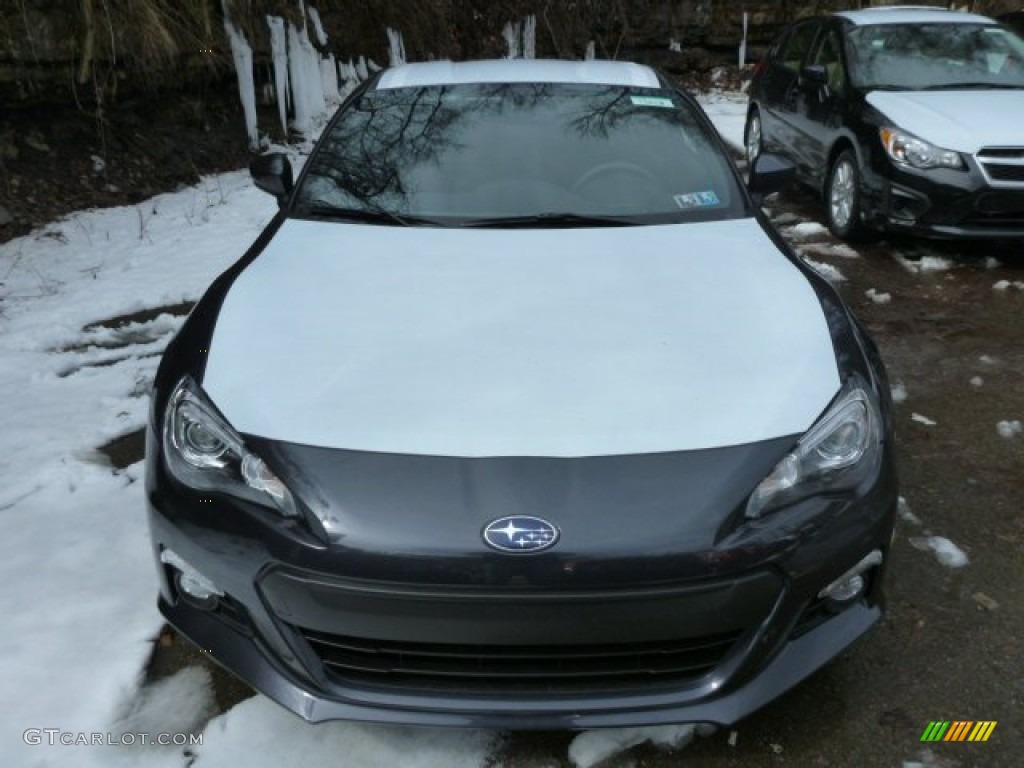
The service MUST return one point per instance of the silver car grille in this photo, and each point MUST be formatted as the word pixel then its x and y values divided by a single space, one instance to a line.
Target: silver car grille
pixel 1002 166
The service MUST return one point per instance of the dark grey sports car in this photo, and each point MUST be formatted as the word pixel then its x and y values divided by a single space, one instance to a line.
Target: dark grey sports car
pixel 519 414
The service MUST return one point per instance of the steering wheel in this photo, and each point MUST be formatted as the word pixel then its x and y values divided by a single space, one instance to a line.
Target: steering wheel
pixel 612 167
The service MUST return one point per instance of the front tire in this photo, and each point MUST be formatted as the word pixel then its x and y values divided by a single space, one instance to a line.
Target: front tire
pixel 843 197
pixel 752 136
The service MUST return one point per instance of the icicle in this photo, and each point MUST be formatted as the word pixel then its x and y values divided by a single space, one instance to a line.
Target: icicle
pixel 361 72
pixel 743 42
pixel 396 48
pixel 530 37
pixel 307 77
pixel 329 79
pixel 317 102
pixel 300 84
pixel 279 53
pixel 512 34
pixel 372 65
pixel 242 55
pixel 591 52
pixel 348 78
pixel 314 16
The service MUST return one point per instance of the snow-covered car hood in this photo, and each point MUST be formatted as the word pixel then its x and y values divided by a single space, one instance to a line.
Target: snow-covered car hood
pixel 490 342
pixel 964 121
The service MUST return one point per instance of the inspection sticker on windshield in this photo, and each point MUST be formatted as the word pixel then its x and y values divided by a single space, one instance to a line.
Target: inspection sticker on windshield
pixel 652 101
pixel 696 199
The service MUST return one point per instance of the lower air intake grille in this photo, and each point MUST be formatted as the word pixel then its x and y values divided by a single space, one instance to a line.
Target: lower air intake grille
pixel 495 667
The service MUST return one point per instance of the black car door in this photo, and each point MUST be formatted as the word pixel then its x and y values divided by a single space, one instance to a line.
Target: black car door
pixel 778 94
pixel 821 100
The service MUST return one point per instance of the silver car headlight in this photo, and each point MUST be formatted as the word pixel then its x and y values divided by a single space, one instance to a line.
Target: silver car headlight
pixel 835 455
pixel 906 149
pixel 203 452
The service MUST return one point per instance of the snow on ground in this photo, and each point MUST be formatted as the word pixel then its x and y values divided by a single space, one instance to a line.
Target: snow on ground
pixel 806 230
pixel 180 703
pixel 899 393
pixel 728 112
pixel 927 263
pixel 844 251
pixel 821 248
pixel 828 271
pixel 903 509
pixel 77 581
pixel 879 297
pixel 1004 285
pixel 923 420
pixel 591 748
pixel 1009 429
pixel 946 552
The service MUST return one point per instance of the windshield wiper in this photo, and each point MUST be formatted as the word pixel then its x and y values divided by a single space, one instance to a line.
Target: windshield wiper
pixel 551 220
pixel 972 86
pixel 369 215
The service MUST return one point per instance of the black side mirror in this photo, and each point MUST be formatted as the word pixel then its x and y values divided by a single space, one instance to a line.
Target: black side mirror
pixel 814 74
pixel 770 173
pixel 273 173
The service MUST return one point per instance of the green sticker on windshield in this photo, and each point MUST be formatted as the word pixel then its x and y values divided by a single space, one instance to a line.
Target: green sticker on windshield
pixel 652 101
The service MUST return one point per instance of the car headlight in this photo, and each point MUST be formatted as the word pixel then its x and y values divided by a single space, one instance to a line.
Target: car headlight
pixel 907 149
pixel 835 455
pixel 205 453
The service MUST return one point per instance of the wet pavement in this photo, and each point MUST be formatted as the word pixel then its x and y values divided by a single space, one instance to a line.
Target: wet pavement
pixel 950 648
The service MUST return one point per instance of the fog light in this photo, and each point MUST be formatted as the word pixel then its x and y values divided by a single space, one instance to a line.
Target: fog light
pixel 851 584
pixel 190 581
pixel 845 590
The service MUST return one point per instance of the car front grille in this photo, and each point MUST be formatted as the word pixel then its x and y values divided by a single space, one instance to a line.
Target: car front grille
pixel 1003 165
pixel 521 668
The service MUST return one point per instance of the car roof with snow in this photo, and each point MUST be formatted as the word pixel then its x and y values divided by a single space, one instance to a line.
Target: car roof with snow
pixel 598 72
pixel 912 14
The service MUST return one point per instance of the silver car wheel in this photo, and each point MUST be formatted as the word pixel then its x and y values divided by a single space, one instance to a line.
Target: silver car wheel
pixel 841 193
pixel 753 138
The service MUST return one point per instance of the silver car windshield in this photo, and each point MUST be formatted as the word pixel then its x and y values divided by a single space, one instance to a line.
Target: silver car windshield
pixel 474 154
pixel 935 56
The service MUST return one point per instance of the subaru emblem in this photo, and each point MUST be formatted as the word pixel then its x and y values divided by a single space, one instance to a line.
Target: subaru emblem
pixel 520 533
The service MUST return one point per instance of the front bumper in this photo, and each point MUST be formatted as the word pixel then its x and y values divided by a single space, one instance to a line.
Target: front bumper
pixel 943 203
pixel 330 645
pixel 254 662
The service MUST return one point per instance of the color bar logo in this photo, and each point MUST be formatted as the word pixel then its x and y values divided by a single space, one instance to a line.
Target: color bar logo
pixel 958 730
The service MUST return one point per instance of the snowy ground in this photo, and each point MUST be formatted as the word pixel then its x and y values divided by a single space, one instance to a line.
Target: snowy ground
pixel 728 111
pixel 77 582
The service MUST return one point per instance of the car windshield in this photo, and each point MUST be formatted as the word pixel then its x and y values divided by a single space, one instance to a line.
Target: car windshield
pixel 527 153
pixel 935 56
